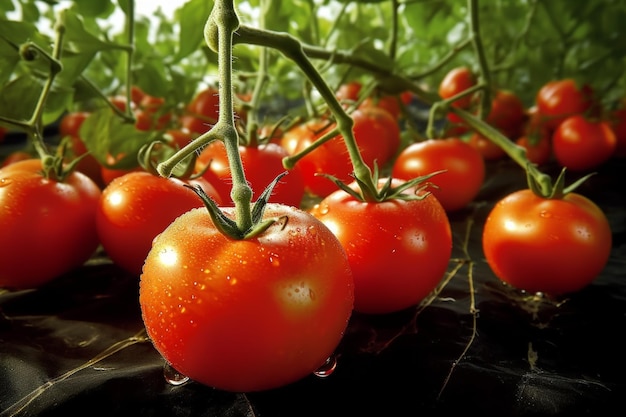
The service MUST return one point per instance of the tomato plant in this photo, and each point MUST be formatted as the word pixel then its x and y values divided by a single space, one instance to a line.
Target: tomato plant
pixel 581 144
pixel 136 207
pixel 462 165
pixel 398 249
pixel 246 315
pixel 550 245
pixel 54 219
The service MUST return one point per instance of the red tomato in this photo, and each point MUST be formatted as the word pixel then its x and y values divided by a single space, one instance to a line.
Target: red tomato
pixel 136 207
pixel 507 113
pixel 538 148
pixel 455 82
pixel 246 315
pixel 487 148
pixel 560 99
pixel 149 113
pixel 48 227
pixel 205 106
pixel 554 246
pixel 262 164
pixel 464 169
pixel 377 134
pixel 581 144
pixel 349 91
pixel 389 103
pixel 398 250
pixel 14 157
pixel 618 124
pixel 70 123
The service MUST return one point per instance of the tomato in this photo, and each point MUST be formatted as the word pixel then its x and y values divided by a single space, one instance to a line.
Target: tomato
pixel 455 82
pixel 15 156
pixel 262 164
pixel 48 227
pixel 70 123
pixel 389 103
pixel 558 99
pixel 463 164
pixel 538 148
pixel 202 112
pixel 349 91
pixel 375 131
pixel 618 124
pixel 487 148
pixel 178 137
pixel 150 115
pixel 507 113
pixel 398 250
pixel 246 315
pixel 555 246
pixel 581 144
pixel 136 207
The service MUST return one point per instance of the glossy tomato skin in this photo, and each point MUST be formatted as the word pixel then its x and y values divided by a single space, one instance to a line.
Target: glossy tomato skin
pixel 246 315
pixel 455 82
pixel 136 207
pixel 48 227
pixel 581 144
pixel 559 99
pixel 464 169
pixel 398 250
pixel 554 246
pixel 262 164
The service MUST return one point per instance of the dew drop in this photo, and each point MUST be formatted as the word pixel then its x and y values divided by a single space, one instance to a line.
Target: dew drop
pixel 327 368
pixel 172 376
pixel 5 182
pixel 323 209
pixel 545 214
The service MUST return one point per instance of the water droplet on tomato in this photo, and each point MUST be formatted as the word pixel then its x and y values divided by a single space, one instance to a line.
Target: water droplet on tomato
pixel 327 368
pixel 545 214
pixel 323 208
pixel 172 376
pixel 5 182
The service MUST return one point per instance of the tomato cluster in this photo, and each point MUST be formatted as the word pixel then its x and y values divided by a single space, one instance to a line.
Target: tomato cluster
pixel 279 303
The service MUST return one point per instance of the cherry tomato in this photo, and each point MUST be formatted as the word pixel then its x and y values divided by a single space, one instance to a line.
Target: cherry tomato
pixel 554 246
pixel 538 148
pixel 246 315
pixel 560 99
pixel 487 148
pixel 398 250
pixel 262 164
pixel 48 227
pixel 618 124
pixel 136 207
pixel 70 123
pixel 581 144
pixel 464 169
pixel 455 82
pixel 15 156
pixel 203 111
pixel 349 91
pixel 507 113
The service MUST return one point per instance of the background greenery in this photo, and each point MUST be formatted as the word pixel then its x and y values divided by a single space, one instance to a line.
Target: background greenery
pixel 527 43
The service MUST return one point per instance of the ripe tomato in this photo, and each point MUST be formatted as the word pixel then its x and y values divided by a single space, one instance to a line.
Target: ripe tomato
pixel 455 82
pixel 554 246
pixel 464 165
pixel 48 227
pixel 581 144
pixel 398 250
pixel 136 207
pixel 538 148
pixel 377 134
pixel 202 112
pixel 487 148
pixel 618 124
pixel 560 99
pixel 262 164
pixel 246 315
pixel 349 91
pixel 507 113
pixel 70 123
pixel 14 157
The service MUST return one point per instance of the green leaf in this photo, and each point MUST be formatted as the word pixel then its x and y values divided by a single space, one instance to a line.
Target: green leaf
pixel 19 97
pixel 192 18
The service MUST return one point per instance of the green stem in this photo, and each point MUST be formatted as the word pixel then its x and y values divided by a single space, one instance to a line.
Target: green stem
pixel 292 49
pixel 485 104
